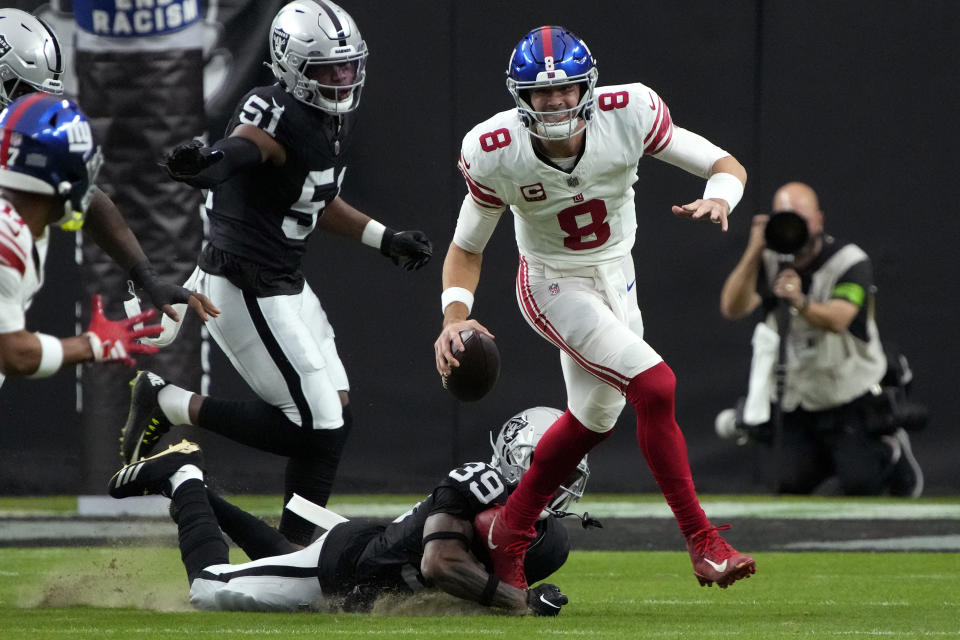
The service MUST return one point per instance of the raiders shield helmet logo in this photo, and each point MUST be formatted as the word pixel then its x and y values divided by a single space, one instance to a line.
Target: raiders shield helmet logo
pixel 280 38
pixel 512 428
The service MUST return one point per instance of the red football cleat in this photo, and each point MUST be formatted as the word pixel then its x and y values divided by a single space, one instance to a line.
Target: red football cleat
pixel 507 547
pixel 716 561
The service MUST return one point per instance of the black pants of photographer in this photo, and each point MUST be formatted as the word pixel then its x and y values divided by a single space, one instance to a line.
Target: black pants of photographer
pixel 836 443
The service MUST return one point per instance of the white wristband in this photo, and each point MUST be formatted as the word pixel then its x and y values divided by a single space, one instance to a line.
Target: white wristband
pixel 456 294
pixel 725 186
pixel 51 356
pixel 95 345
pixel 373 234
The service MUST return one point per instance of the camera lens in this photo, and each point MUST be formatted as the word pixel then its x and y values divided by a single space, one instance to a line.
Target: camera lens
pixel 786 232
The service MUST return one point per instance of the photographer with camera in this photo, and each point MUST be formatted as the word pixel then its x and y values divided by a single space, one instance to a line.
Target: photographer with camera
pixel 835 418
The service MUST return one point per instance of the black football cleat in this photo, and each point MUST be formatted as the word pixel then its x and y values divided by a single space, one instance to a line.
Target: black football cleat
pixel 150 475
pixel 146 423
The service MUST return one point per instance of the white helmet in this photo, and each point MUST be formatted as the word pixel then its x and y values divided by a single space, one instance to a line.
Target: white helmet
pixel 30 56
pixel 513 453
pixel 307 35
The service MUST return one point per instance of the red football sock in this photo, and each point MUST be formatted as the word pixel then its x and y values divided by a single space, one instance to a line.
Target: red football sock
pixel 652 394
pixel 555 458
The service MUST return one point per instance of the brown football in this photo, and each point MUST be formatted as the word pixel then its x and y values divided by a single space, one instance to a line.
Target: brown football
pixel 479 367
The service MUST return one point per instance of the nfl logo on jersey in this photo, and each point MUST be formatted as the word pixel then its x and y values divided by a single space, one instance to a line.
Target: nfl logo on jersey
pixel 554 289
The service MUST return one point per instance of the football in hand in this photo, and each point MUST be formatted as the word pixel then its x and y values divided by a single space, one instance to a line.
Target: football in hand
pixel 479 367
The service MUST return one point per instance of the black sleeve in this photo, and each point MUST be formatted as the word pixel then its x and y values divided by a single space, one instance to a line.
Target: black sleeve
pixel 468 490
pixel 548 551
pixel 855 284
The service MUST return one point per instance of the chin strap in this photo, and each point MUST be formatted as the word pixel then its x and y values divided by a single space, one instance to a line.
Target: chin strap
pixel 585 520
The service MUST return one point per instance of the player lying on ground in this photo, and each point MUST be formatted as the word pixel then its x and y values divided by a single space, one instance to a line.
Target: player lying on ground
pixel 433 545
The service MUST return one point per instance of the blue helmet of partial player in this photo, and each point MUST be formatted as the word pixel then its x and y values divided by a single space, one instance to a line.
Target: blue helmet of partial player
pixel 30 56
pixel 47 147
pixel 513 453
pixel 318 55
pixel 552 57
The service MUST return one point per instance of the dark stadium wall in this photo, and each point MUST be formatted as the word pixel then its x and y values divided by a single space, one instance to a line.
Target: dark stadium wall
pixel 838 95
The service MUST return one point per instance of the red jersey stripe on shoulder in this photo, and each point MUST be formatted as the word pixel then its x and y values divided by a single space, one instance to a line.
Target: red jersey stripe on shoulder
pixel 8 241
pixel 482 194
pixel 659 137
pixel 10 259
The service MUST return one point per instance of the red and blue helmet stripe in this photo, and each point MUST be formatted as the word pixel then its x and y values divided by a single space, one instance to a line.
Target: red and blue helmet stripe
pixel 47 146
pixel 550 55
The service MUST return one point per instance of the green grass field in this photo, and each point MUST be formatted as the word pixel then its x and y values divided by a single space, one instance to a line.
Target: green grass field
pixel 131 592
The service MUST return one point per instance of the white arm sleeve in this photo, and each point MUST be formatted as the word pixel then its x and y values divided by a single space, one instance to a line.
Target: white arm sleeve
pixel 474 226
pixel 691 152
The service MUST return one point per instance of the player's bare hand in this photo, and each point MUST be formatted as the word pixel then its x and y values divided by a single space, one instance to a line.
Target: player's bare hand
pixel 449 341
pixel 200 304
pixel 164 294
pixel 715 210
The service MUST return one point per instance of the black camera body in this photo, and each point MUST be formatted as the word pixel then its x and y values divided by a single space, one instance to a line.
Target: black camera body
pixel 890 409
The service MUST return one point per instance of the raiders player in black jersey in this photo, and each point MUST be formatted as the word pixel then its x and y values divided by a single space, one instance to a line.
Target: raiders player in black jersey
pixel 433 545
pixel 272 181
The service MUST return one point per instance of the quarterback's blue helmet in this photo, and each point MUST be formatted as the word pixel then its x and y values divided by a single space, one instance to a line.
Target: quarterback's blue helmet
pixel 47 147
pixel 545 57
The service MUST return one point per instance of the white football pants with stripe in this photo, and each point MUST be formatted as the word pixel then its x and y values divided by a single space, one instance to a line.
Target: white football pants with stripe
pixel 277 583
pixel 283 347
pixel 591 314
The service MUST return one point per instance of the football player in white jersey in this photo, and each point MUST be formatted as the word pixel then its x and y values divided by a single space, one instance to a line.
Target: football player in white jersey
pixel 31 61
pixel 48 162
pixel 564 161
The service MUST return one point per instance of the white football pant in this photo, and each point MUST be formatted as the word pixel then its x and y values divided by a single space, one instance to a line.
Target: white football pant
pixel 592 315
pixel 284 348
pixel 277 583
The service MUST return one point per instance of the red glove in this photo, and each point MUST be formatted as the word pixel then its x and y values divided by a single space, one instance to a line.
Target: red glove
pixel 115 340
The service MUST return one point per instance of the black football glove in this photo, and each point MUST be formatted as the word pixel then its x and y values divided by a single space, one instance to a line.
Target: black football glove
pixel 410 250
pixel 187 160
pixel 546 599
pixel 159 291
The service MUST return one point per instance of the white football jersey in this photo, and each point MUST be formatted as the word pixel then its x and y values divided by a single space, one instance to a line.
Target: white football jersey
pixel 21 268
pixel 586 217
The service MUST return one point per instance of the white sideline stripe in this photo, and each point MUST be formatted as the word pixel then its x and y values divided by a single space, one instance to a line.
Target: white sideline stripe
pixel 815 510
pixel 146 506
pixel 792 509
pixel 914 543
